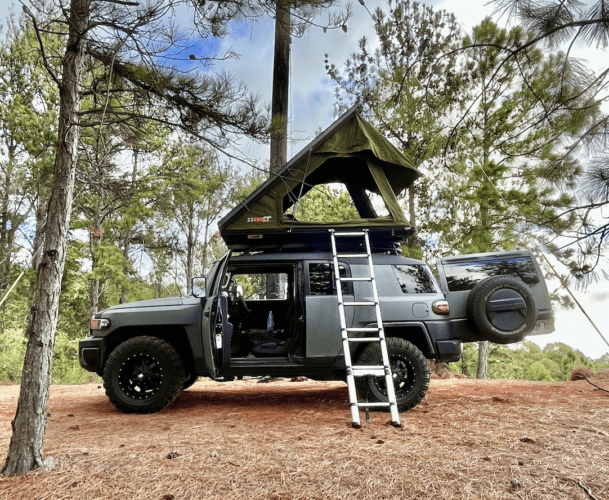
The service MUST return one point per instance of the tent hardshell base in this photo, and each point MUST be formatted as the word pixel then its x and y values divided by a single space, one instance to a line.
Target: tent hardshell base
pixel 309 239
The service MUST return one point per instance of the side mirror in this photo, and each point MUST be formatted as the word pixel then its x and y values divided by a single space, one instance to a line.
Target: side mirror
pixel 198 287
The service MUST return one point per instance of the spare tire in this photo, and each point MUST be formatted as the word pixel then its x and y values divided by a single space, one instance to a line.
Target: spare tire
pixel 502 308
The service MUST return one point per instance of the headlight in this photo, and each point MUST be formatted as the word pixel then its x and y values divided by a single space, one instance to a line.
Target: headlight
pixel 440 307
pixel 100 324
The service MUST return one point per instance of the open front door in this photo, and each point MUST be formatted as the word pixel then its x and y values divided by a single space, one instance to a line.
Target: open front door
pixel 215 325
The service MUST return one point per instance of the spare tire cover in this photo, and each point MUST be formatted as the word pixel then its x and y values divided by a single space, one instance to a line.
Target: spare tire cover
pixel 502 309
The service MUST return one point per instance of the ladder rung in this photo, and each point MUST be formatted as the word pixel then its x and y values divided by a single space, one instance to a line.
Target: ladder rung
pixel 356 279
pixel 370 329
pixel 371 405
pixel 364 339
pixel 352 255
pixel 359 304
pixel 363 371
pixel 360 233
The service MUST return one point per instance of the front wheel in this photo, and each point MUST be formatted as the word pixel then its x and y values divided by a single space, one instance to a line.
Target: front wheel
pixel 143 375
pixel 411 374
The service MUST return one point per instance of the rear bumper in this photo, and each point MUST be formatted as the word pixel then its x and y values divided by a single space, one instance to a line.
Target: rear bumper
pixel 449 350
pixel 91 354
pixel 448 346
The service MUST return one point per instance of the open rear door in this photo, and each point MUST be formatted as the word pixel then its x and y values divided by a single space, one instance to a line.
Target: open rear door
pixel 215 325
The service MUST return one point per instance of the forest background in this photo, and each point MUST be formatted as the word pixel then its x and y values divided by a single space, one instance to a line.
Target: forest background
pixel 126 244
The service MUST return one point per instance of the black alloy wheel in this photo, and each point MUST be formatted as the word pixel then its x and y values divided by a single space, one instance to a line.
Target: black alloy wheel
pixel 140 376
pixel 410 372
pixel 143 375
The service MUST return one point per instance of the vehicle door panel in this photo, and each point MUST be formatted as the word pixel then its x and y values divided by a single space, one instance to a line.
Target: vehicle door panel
pixel 323 333
pixel 215 321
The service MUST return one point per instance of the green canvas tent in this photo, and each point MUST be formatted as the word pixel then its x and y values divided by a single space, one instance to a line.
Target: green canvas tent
pixel 350 152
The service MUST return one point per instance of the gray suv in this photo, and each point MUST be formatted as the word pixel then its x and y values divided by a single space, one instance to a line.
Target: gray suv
pixel 276 314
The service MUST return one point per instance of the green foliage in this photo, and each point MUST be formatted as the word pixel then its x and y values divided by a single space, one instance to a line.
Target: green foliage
pixel 12 352
pixel 492 133
pixel 537 371
pixel 526 360
pixel 65 368
pixel 326 203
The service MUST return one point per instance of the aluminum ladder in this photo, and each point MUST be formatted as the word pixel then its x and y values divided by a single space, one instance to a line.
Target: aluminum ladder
pixel 362 370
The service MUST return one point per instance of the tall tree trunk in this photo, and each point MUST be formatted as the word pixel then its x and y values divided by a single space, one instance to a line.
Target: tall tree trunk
pixel 41 219
pixel 190 253
pixel 128 230
pixel 95 236
pixel 25 449
pixel 279 106
pixel 484 222
pixel 281 87
pixel 482 359
pixel 126 248
pixel 413 241
pixel 6 232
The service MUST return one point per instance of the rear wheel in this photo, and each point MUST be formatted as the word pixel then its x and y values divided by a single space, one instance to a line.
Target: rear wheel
pixel 143 375
pixel 411 374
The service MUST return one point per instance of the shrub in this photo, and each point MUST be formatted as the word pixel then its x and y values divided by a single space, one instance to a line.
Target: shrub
pixel 537 371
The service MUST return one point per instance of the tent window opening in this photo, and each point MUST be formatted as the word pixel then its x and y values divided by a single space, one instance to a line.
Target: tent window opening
pixel 341 189
pixel 378 203
pixel 325 203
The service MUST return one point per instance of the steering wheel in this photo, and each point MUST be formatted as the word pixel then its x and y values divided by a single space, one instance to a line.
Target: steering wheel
pixel 238 299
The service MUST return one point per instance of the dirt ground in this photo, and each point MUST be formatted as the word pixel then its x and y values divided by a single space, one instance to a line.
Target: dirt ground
pixel 473 439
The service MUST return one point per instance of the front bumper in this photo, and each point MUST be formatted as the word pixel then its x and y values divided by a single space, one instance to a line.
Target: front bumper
pixel 91 354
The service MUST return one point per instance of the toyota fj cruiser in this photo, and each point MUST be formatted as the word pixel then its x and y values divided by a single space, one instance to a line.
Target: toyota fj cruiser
pixel 148 351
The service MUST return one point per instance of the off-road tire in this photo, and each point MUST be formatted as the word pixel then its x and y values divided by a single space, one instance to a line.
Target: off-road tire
pixel 498 323
pixel 143 375
pixel 411 374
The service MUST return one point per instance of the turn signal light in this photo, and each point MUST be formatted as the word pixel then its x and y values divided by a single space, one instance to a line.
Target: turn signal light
pixel 100 324
pixel 440 307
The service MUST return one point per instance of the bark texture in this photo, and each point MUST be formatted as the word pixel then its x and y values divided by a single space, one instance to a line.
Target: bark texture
pixel 281 87
pixel 482 359
pixel 25 450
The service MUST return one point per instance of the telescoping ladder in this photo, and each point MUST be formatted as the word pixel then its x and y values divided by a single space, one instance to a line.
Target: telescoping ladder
pixel 363 370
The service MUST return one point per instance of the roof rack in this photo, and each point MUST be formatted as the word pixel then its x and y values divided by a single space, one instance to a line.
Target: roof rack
pixel 382 240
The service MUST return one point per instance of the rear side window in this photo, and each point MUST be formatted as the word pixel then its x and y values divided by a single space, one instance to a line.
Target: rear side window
pixel 321 279
pixel 415 278
pixel 463 276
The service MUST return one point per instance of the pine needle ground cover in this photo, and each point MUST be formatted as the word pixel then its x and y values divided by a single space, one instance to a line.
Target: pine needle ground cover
pixel 488 439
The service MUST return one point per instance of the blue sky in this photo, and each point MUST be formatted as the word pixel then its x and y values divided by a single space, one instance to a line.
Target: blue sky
pixel 312 108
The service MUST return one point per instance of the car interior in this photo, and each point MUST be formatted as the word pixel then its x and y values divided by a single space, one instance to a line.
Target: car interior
pixel 262 310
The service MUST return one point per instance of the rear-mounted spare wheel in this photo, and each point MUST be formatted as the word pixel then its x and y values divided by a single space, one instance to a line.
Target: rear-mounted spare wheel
pixel 502 309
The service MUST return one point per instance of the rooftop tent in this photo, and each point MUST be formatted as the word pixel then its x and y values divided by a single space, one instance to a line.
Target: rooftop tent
pixel 351 152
